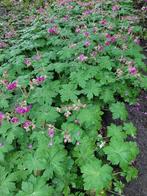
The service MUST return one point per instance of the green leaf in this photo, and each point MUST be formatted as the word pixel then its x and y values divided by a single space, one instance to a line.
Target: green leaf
pixel 96 176
pixel 130 129
pixel 7 185
pixel 90 117
pixel 81 154
pixel 92 89
pixel 68 93
pixel 130 173
pixel 122 153
pixel 118 110
pixel 35 187
pixel 116 132
pixel 33 163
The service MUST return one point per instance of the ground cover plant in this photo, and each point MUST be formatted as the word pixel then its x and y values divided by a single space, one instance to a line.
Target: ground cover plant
pixel 60 72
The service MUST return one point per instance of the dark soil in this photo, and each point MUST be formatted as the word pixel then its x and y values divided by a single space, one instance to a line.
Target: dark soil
pixel 138 115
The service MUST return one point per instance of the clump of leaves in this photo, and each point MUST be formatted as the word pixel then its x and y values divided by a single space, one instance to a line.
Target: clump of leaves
pixel 69 63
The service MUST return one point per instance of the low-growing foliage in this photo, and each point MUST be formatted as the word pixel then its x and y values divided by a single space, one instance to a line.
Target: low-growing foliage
pixel 58 76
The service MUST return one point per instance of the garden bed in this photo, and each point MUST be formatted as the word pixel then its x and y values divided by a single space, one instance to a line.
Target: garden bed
pixel 70 78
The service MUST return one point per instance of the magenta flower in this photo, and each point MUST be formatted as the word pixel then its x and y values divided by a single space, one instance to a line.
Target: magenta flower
pixel 27 61
pixel 137 41
pixel 87 12
pixel 9 34
pixel 14 120
pixel 82 58
pixel 113 39
pixel 107 43
pixel 103 22
pixel 23 109
pixel 100 48
pixel 77 30
pixel 108 36
pixel 3 44
pixel 40 10
pixel 27 124
pixel 66 18
pixel 132 70
pixel 39 80
pixel 87 43
pixel 115 8
pixel 51 132
pixel 11 86
pixel 53 30
pixel 93 54
pixel 129 30
pixel 86 34
pixel 2 116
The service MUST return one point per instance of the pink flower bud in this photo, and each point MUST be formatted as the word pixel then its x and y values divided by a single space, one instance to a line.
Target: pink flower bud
pixel 23 109
pixel 11 86
pixel 82 58
pixel 51 132
pixel 27 124
pixel 132 70
pixel 14 120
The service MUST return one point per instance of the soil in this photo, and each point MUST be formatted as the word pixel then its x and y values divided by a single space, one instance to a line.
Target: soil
pixel 138 115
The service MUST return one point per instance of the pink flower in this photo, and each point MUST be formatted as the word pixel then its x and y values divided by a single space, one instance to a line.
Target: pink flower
pixel 3 44
pixel 27 61
pixel 14 120
pixel 51 132
pixel 82 58
pixel 66 18
pixel 9 34
pixel 77 30
pixel 103 22
pixel 40 10
pixel 132 70
pixel 87 34
pixel 108 36
pixel 39 80
pixel 27 124
pixel 113 39
pixel 115 8
pixel 11 86
pixel 23 109
pixel 107 43
pixel 137 41
pixel 100 48
pixel 53 30
pixel 87 12
pixel 2 116
pixel 87 43
pixel 129 30
pixel 93 54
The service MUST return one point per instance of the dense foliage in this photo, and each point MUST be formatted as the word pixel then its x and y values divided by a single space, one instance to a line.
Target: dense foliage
pixel 59 75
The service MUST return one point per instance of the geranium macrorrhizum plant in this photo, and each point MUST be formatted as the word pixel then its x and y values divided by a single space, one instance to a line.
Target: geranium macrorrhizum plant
pixel 58 75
